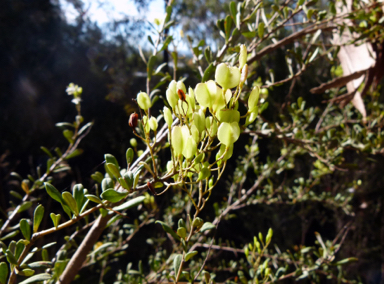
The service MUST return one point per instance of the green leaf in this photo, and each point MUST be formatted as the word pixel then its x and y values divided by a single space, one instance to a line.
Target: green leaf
pixel 150 65
pixel 129 155
pixel 74 153
pixel 168 230
pixel 346 260
pixel 55 219
pixel 100 248
pixel 10 235
pixel 208 73
pixel 37 278
pixel 26 272
pixel 10 257
pixel 114 170
pixel 3 272
pixel 16 194
pixel 111 159
pixel 71 202
pixel 38 217
pixel 46 151
pixel 97 177
pixel 25 229
pixel 130 203
pixel 78 194
pixel 228 26
pixel 150 40
pixel 189 255
pixel 93 198
pixel 169 24
pixel 177 263
pixel 233 9
pixel 40 264
pixel 48 245
pixel 19 248
pixel 113 195
pixel 207 226
pixel 260 29
pixel 220 24
pixel 166 43
pixel 25 206
pixel 68 134
pixel 107 183
pixel 182 232
pixel 136 177
pixel 249 35
pixel 53 192
pixel 228 133
pixel 85 127
pixel 208 54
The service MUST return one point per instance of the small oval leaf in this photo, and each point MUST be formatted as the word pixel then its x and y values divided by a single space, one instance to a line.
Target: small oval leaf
pixel 113 195
pixel 38 217
pixel 130 203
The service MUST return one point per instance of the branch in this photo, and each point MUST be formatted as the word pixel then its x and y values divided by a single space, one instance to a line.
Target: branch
pixel 94 234
pixel 268 49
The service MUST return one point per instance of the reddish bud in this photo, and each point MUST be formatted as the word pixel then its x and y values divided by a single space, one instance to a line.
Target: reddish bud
pixel 151 188
pixel 181 94
pixel 133 120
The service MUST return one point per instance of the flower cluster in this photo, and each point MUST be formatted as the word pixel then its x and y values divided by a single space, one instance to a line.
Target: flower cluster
pixel 203 120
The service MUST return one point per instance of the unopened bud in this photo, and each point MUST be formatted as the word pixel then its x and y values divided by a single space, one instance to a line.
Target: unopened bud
pixel 151 188
pixel 197 223
pixel 244 74
pixel 168 116
pixel 153 123
pixel 144 101
pixel 181 94
pixel 243 56
pixel 133 142
pixel 227 77
pixel 133 120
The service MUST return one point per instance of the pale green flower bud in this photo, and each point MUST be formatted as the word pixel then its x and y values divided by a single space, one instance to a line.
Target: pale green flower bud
pixel 209 95
pixel 191 101
pixel 244 74
pixel 228 96
pixel 171 94
pixel 177 140
pixel 169 166
pixel 195 133
pixel 253 99
pixel 197 223
pixel 199 120
pixel 182 232
pixel 252 116
pixel 227 77
pixel 204 173
pixel 153 123
pixel 243 56
pixel 144 101
pixel 228 115
pixel 222 151
pixel 146 124
pixel 190 147
pixel 228 133
pixel 168 116
pixel 211 126
pixel 183 108
pixel 133 142
pixel 180 85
